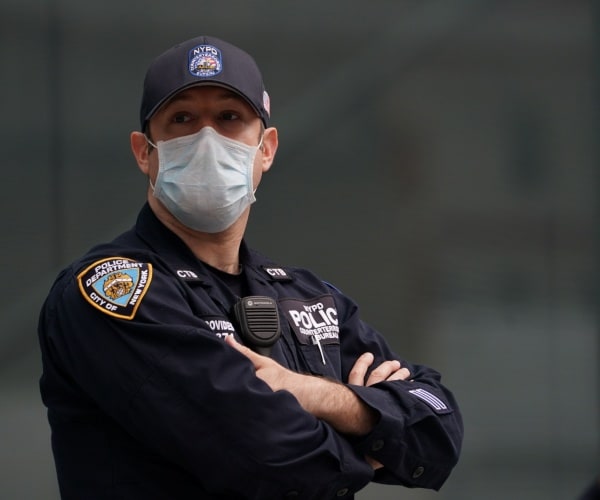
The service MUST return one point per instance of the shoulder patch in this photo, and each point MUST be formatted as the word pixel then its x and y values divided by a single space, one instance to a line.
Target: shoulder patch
pixel 116 285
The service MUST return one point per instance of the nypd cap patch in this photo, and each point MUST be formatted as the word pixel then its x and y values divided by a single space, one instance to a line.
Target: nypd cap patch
pixel 116 285
pixel 205 61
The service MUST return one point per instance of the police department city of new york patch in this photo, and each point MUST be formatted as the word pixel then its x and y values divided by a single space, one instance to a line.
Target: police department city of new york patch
pixel 116 285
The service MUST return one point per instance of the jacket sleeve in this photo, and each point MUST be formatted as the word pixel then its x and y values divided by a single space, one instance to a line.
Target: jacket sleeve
pixel 183 393
pixel 419 434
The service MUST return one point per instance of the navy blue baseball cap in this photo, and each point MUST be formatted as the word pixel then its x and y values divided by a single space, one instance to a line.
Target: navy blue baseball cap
pixel 203 60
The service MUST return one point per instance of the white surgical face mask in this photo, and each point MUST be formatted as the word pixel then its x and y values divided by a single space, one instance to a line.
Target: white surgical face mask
pixel 205 179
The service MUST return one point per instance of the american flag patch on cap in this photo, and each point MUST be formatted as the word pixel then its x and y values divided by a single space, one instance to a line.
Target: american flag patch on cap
pixel 433 401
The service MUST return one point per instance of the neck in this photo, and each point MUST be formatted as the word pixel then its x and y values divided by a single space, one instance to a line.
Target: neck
pixel 219 250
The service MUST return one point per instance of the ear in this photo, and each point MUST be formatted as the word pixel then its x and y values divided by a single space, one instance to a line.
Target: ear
pixel 269 147
pixel 139 147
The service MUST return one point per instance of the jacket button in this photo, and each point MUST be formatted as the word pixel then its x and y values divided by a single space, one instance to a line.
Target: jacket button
pixel 342 493
pixel 377 445
pixel 418 472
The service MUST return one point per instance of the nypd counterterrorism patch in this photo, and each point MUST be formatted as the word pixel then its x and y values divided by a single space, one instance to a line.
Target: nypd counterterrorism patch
pixel 116 285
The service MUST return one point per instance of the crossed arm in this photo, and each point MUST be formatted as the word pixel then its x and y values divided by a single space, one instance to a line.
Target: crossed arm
pixel 327 399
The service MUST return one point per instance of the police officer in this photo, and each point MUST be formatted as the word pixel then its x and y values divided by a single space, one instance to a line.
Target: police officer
pixel 178 363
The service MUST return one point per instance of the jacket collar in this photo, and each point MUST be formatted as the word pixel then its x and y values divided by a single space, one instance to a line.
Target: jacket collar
pixel 176 254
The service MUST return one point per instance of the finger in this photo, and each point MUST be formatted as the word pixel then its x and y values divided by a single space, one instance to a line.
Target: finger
pixel 383 371
pixel 401 374
pixel 388 370
pixel 249 353
pixel 359 370
pixel 373 463
pixel 230 339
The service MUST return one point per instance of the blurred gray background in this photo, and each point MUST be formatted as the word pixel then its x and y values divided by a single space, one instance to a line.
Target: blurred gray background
pixel 438 163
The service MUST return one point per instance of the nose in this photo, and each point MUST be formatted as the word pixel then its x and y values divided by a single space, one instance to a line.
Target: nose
pixel 205 121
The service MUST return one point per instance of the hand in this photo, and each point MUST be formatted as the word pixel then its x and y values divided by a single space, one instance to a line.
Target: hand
pixel 269 371
pixel 386 371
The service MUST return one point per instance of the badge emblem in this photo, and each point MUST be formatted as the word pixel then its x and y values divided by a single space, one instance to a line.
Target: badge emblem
pixel 116 286
pixel 205 61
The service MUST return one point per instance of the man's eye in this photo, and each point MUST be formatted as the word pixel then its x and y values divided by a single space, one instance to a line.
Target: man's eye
pixel 229 116
pixel 181 118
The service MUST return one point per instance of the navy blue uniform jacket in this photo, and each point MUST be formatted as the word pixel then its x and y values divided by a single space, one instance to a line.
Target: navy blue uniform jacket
pixel 146 401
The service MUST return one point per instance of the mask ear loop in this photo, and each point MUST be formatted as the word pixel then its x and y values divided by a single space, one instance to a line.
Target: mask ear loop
pixel 259 148
pixel 154 145
pixel 262 137
pixel 260 143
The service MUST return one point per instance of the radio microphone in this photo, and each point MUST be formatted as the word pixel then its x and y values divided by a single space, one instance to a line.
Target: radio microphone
pixel 258 321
